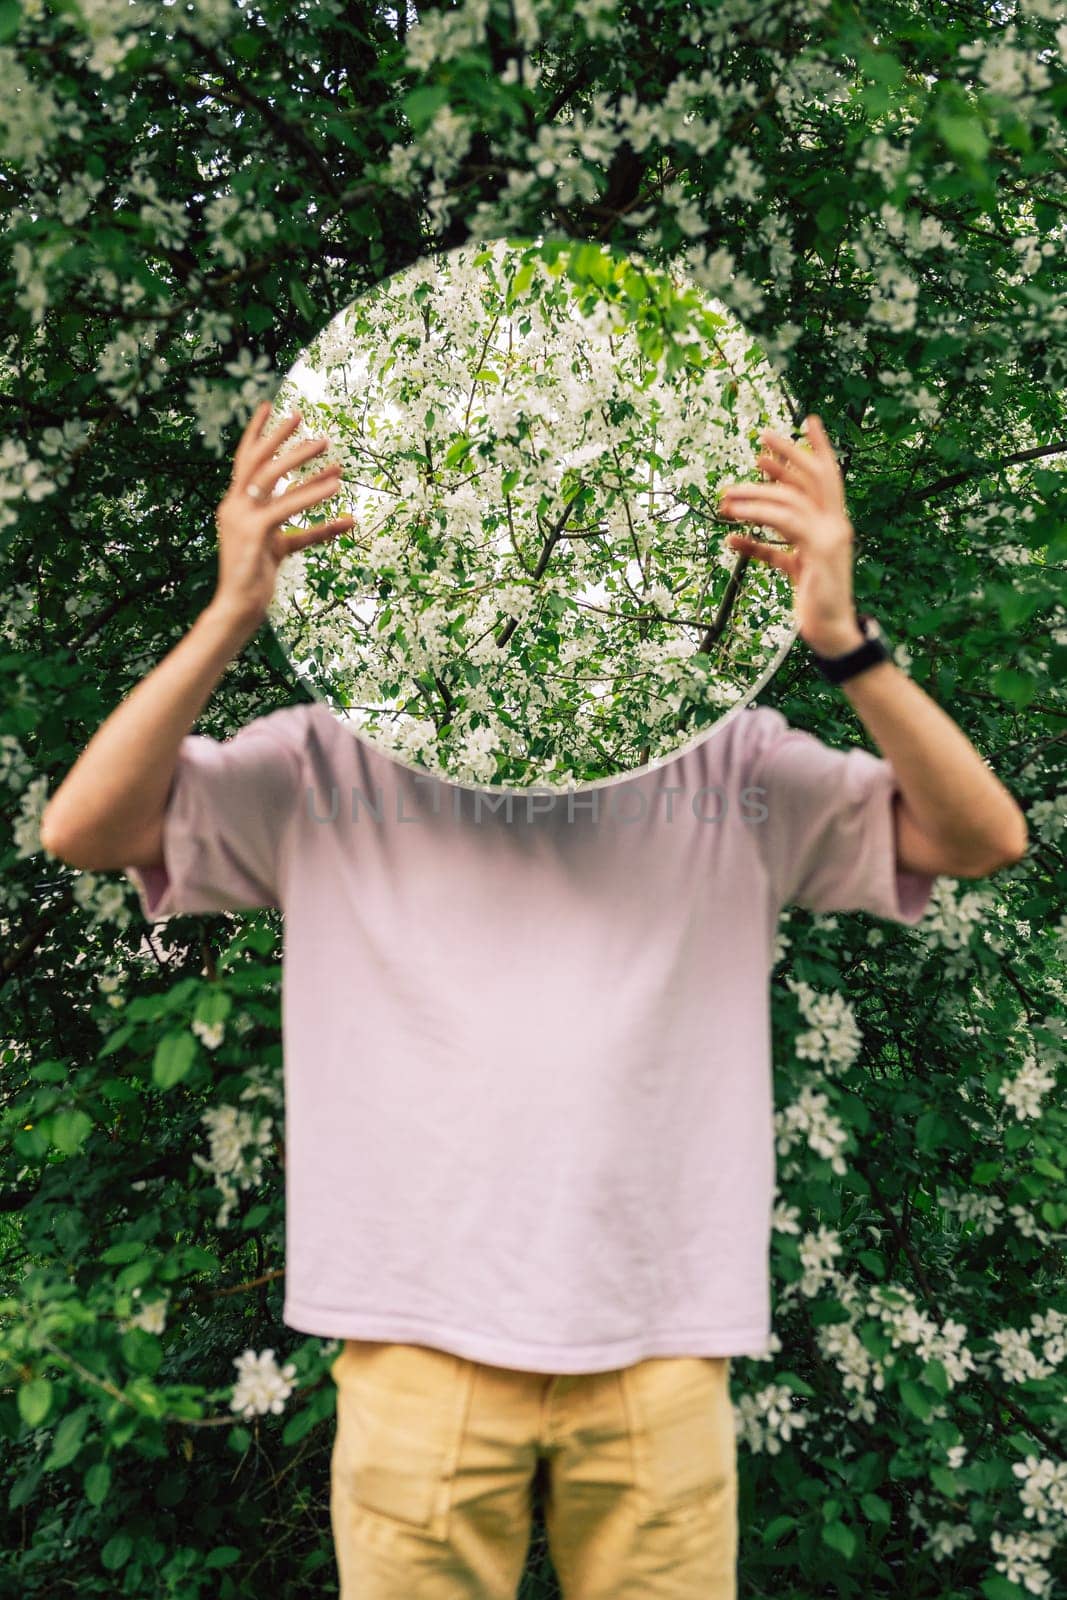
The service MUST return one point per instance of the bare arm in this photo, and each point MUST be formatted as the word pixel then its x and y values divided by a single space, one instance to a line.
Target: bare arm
pixel 108 811
pixel 953 814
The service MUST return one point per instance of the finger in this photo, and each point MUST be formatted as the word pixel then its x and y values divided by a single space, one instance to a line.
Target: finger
pixel 789 516
pixel 820 439
pixel 253 431
pixel 753 498
pixel 267 476
pixel 794 456
pixel 322 487
pixel 263 448
pixel 774 555
pixel 776 466
pixel 300 538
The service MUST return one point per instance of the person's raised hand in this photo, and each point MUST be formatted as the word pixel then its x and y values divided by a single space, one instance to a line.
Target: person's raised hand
pixel 806 506
pixel 252 543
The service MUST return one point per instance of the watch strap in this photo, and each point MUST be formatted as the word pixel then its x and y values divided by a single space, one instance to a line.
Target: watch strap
pixel 838 669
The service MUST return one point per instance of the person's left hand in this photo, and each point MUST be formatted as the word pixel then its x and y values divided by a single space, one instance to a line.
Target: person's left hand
pixel 806 505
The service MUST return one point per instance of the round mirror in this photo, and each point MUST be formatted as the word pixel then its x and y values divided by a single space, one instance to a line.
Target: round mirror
pixel 533 436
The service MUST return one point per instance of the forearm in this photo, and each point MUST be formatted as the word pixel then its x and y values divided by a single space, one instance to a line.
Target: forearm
pixel 122 778
pixel 953 807
pixel 951 792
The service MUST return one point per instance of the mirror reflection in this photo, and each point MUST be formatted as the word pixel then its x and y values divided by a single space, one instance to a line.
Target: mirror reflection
pixel 533 436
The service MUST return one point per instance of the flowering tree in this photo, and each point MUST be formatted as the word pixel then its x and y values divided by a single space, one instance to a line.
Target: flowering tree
pixel 192 194
pixel 536 592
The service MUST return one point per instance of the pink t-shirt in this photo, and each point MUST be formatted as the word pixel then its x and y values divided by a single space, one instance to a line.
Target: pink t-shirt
pixel 528 1093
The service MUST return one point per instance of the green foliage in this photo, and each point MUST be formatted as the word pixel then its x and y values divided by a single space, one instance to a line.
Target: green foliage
pixel 191 193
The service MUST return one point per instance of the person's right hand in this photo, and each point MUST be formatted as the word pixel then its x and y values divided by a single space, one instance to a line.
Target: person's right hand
pixel 251 543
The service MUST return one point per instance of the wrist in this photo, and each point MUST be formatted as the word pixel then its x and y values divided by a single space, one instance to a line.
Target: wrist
pixel 837 641
pixel 234 617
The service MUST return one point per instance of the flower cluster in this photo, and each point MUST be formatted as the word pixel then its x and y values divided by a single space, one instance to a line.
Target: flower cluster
pixel 261 1385
pixel 239 1140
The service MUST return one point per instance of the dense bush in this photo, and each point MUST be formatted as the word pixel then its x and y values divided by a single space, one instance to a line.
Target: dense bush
pixel 190 193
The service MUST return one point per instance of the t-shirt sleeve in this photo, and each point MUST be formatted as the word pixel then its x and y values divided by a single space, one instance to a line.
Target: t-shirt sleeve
pixel 828 838
pixel 225 818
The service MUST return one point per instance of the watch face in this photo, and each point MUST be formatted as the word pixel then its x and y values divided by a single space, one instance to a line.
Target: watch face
pixel 533 437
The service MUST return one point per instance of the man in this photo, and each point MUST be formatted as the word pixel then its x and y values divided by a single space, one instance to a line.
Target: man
pixel 527 1069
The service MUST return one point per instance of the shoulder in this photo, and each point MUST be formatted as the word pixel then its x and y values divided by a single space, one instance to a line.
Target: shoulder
pixel 287 729
pixel 728 751
pixel 759 725
pixel 755 731
pixel 766 740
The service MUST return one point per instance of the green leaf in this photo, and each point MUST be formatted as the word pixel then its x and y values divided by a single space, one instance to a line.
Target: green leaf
pixel 778 1526
pixel 302 300
pixel 214 1005
pixel 246 45
pixel 914 1398
pixel 97 1482
pixel 520 283
pixel 300 1423
pixel 173 1059
pixel 458 451
pixel 117 1552
pixel 874 1261
pixel 257 317
pixel 875 1509
pixel 35 1401
pixel 51 1072
pixel 634 285
pixel 935 1376
pixel 841 1538
pixel 115 1041
pixel 421 105
pixel 1000 1588
pixel 930 1131
pixel 963 134
pixel 69 1129
pixel 223 1555
pixel 10 18
pixel 1018 688
pixel 141 1351
pixel 792 1380
pixel 24 1489
pixel 194 1258
pixel 30 1142
pixel 129 1250
pixel 68 1439
pixel 882 67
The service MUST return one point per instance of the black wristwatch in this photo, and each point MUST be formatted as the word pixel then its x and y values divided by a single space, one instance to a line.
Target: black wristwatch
pixel 838 669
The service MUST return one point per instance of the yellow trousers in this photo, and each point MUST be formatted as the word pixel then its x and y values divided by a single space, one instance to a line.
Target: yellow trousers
pixel 435 1457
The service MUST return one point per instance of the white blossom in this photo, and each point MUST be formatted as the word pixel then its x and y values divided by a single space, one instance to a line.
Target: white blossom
pixel 261 1386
